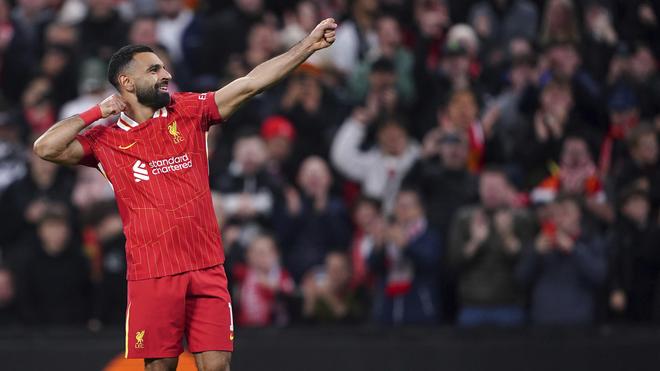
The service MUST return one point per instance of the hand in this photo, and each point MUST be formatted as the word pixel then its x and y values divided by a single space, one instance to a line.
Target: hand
pixel 430 145
pixel 369 112
pixel 618 300
pixel 112 105
pixel 565 243
pixel 397 236
pixel 293 203
pixel 504 223
pixel 323 35
pixel 543 244
pixel 479 228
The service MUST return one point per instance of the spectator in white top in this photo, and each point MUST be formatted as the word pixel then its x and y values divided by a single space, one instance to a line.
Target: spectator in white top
pixel 173 20
pixel 379 169
pixel 356 37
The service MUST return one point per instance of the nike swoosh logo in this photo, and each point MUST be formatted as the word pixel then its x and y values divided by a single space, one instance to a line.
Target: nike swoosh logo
pixel 128 146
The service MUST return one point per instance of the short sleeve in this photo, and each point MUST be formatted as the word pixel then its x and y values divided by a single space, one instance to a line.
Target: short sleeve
pixel 89 158
pixel 210 110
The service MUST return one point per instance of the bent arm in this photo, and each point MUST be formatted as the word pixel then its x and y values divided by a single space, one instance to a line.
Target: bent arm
pixel 59 145
pixel 231 97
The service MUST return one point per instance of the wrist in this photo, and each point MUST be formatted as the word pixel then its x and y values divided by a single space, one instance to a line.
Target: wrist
pixel 91 115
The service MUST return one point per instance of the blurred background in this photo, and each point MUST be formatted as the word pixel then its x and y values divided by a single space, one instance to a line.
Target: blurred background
pixel 454 184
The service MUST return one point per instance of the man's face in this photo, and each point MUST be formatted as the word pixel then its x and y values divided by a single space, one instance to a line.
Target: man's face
pixel 646 150
pixel 393 140
pixel 575 154
pixel 636 208
pixel 407 207
pixel 454 155
pixel 314 176
pixel 494 190
pixel 388 31
pixel 568 217
pixel 463 109
pixel 262 254
pixel 150 80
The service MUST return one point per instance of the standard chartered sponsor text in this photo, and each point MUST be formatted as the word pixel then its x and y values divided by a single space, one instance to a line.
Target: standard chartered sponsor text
pixel 174 163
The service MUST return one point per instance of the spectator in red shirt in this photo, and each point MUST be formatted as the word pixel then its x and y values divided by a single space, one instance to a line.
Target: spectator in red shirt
pixel 262 284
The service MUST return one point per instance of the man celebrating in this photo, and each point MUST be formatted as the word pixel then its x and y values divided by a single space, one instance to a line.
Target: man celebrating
pixel 155 158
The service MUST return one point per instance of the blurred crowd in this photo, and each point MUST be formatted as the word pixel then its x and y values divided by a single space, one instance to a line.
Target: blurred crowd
pixel 484 162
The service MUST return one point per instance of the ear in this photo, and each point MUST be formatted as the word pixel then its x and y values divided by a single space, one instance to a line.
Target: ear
pixel 126 83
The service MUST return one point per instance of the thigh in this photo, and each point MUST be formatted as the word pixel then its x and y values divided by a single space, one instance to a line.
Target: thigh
pixel 209 318
pixel 155 317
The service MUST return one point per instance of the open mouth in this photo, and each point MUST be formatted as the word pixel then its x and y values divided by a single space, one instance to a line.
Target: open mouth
pixel 163 87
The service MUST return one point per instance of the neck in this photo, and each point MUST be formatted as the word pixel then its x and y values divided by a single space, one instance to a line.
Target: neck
pixel 137 111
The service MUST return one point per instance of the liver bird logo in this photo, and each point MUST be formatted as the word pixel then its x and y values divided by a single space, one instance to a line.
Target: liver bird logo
pixel 139 339
pixel 174 132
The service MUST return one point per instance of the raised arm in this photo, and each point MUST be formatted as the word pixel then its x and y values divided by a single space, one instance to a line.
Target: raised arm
pixel 230 97
pixel 58 144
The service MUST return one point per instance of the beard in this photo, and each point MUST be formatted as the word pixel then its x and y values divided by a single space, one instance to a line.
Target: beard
pixel 152 96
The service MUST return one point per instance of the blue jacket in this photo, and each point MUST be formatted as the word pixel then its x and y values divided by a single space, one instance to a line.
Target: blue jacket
pixel 564 286
pixel 421 304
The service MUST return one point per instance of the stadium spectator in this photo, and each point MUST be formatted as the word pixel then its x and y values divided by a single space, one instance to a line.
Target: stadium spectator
pixel 389 48
pixel 55 280
pixel 565 267
pixel 642 167
pixel 102 31
pixel 635 259
pixel 485 244
pixel 541 141
pixel 248 191
pixel 368 223
pixel 357 37
pixel 25 202
pixel 8 308
pixel 576 175
pixel 110 290
pixel 314 221
pixel 314 109
pixel 442 177
pixel 13 159
pixel 174 19
pixel 381 168
pixel 329 296
pixel 263 286
pixel 405 260
pixel 279 135
pixel 559 23
pixel 498 22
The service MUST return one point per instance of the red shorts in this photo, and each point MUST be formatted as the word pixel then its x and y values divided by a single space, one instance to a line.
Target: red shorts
pixel 162 310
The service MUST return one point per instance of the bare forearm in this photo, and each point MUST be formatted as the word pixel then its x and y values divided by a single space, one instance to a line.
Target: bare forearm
pixel 56 141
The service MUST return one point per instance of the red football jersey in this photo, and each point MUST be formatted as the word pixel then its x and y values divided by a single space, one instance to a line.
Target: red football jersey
pixel 158 170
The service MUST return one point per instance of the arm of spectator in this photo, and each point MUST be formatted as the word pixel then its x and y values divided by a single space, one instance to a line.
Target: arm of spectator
pixel 424 252
pixel 376 259
pixel 462 248
pixel 529 267
pixel 59 144
pixel 232 96
pixel 592 261
pixel 345 152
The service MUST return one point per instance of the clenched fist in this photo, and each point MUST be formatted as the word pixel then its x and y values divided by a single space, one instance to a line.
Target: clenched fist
pixel 323 34
pixel 112 105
